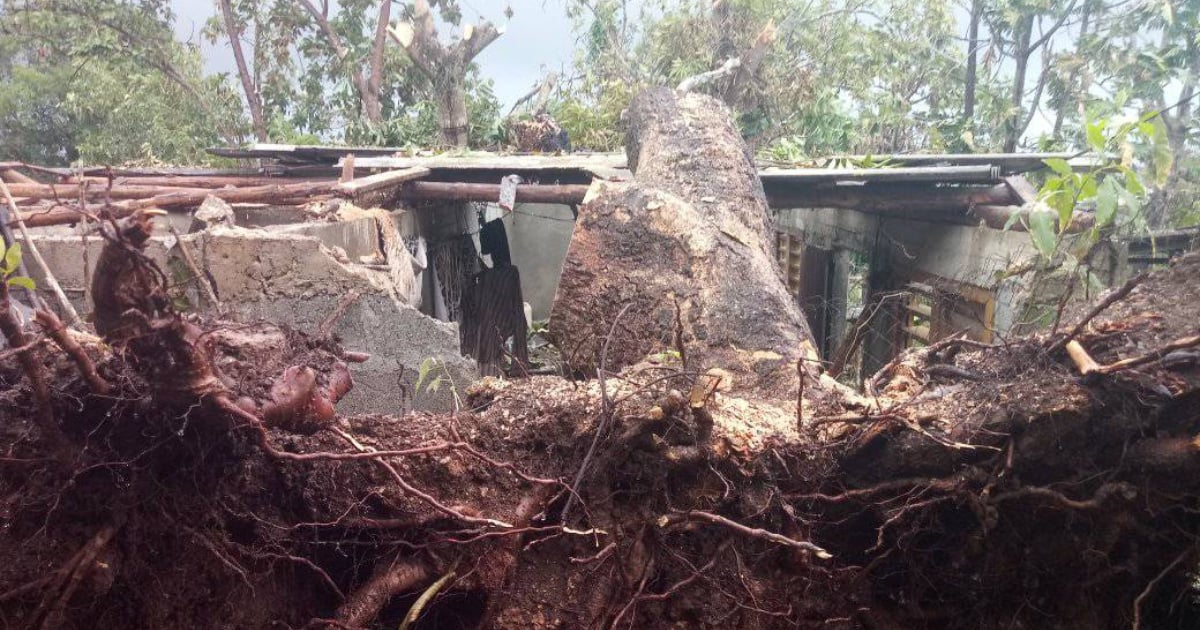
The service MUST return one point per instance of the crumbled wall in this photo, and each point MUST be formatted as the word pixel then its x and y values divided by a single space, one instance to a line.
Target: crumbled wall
pixel 297 275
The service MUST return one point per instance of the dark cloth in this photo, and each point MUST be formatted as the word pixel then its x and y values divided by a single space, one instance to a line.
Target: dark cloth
pixel 493 313
pixel 493 240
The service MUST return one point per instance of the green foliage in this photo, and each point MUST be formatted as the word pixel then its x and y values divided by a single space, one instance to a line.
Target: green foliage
pixel 106 82
pixel 835 79
pixel 10 262
pixel 1114 189
pixel 34 126
pixel 849 76
pixel 417 125
pixel 432 375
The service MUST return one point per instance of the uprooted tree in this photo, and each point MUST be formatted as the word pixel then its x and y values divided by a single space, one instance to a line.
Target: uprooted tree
pixel 703 472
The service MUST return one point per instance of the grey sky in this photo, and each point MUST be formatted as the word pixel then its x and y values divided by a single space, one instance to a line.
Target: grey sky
pixel 538 38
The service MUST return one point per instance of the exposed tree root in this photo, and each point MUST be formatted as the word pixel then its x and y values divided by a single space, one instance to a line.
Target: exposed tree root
pixel 983 487
pixel 389 580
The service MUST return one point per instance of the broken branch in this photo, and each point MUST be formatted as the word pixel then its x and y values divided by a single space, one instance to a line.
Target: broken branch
pixel 1108 301
pixel 47 274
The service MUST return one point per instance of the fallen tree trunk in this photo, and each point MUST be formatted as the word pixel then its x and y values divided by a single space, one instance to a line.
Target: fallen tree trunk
pixel 684 253
pixel 982 487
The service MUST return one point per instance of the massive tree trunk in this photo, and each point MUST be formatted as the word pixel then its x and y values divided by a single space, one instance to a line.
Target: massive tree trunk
pixel 683 255
pixel 723 486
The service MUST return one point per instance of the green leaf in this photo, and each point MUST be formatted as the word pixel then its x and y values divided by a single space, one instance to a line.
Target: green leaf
pixel 1106 202
pixel 1163 157
pixel 1041 230
pixel 423 372
pixel 1065 211
pixel 1133 202
pixel 1058 165
pixel 1087 189
pixel 21 281
pixel 1133 183
pixel 12 258
pixel 1095 135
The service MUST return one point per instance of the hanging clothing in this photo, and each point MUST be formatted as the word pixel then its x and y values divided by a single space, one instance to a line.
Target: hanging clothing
pixel 493 241
pixel 493 327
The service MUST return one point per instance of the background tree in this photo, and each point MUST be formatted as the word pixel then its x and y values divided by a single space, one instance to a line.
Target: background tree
pixel 106 82
pixel 329 73
pixel 446 67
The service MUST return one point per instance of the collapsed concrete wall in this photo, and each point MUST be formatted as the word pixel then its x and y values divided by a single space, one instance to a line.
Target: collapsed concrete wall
pixel 299 275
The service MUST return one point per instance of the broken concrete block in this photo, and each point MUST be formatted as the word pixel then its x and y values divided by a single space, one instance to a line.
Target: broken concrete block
pixel 294 280
pixel 212 212
pixel 399 339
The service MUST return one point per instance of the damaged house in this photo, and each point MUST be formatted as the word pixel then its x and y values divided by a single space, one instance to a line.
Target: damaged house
pixel 393 247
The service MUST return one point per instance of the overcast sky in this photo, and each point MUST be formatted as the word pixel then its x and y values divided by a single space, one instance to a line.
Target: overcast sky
pixel 538 38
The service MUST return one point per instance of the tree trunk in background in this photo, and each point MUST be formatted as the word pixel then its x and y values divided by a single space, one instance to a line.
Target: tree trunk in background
pixel 972 64
pixel 1021 54
pixel 1177 121
pixel 445 66
pixel 372 100
pixel 253 98
pixel 453 117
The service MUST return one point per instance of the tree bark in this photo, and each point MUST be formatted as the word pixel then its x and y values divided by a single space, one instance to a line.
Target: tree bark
pixel 972 63
pixel 253 98
pixel 453 118
pixel 671 248
pixel 445 66
pixel 1021 53
pixel 372 101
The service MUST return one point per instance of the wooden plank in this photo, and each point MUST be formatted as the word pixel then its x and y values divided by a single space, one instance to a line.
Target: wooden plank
pixel 606 162
pixel 526 193
pixel 70 192
pixel 997 217
pixel 1021 188
pixel 188 181
pixel 892 199
pixel 382 181
pixel 958 174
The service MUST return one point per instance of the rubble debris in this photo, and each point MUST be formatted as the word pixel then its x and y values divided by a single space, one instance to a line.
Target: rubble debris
pixel 1025 496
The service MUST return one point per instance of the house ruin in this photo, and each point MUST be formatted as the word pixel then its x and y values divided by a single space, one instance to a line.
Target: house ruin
pixel 909 251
